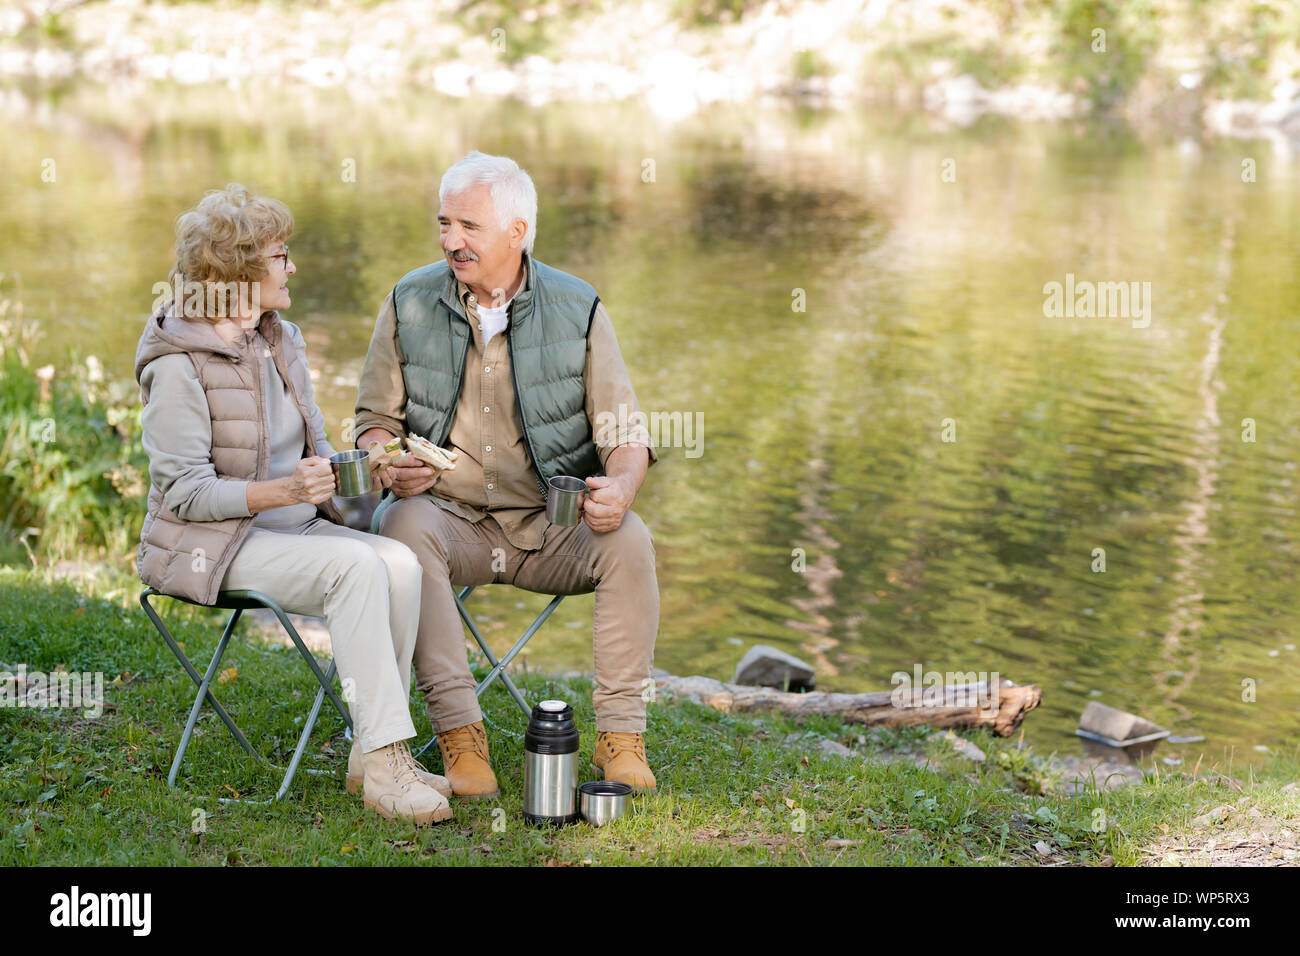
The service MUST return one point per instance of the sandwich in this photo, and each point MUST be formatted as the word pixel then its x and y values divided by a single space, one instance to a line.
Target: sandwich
pixel 387 454
pixel 442 459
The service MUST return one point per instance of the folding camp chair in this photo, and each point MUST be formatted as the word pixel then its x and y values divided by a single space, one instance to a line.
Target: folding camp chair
pixel 239 602
pixel 498 670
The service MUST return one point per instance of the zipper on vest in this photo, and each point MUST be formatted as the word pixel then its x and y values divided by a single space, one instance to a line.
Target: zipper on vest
pixel 460 382
pixel 264 427
pixel 523 422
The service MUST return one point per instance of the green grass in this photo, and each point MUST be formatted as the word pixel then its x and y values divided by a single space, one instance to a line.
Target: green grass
pixel 76 790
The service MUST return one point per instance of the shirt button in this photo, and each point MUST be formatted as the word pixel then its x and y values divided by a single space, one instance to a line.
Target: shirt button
pixel 480 326
pixel 472 297
pixel 487 447
pixel 487 368
pixel 486 409
pixel 490 486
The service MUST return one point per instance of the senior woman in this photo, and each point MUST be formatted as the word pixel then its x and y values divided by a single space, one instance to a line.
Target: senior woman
pixel 241 487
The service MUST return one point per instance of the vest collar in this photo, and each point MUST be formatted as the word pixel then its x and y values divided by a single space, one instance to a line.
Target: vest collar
pixel 521 306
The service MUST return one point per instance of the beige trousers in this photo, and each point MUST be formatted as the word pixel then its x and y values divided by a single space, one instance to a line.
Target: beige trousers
pixel 368 590
pixel 618 565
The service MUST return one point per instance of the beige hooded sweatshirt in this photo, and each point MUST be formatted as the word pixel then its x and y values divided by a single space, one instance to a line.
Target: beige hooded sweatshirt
pixel 207 436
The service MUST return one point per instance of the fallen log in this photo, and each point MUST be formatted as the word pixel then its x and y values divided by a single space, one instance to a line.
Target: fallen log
pixel 1001 709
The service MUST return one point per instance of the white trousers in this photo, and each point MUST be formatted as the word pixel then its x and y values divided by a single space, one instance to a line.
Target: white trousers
pixel 368 590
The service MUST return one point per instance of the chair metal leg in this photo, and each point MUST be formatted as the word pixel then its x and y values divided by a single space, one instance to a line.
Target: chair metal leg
pixel 498 666
pixel 204 682
pixel 198 701
pixel 307 655
pixel 194 675
pixel 306 734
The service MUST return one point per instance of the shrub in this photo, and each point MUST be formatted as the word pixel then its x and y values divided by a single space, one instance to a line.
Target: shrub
pixel 73 471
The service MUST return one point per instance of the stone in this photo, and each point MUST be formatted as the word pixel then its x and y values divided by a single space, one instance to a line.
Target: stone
pixel 1081 774
pixel 1114 724
pixel 806 742
pixel 1215 815
pixel 766 666
pixel 961 745
pixel 833 748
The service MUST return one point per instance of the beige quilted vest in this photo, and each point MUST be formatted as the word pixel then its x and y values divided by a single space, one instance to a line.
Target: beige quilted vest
pixel 188 559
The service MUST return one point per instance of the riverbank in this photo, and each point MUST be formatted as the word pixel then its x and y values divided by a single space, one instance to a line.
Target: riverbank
pixel 85 790
pixel 1228 67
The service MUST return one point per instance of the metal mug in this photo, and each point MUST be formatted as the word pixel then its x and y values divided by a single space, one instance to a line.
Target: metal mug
pixel 351 473
pixel 600 801
pixel 564 503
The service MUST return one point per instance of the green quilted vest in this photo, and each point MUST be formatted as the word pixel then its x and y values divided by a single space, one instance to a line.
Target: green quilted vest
pixel 547 340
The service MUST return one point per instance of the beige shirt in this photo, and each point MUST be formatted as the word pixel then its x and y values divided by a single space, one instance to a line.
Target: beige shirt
pixel 494 473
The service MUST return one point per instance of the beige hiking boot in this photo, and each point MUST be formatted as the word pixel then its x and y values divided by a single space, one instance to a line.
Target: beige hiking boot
pixel 622 758
pixel 355 780
pixel 393 790
pixel 465 762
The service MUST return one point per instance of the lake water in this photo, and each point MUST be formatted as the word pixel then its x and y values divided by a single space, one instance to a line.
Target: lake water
pixel 919 255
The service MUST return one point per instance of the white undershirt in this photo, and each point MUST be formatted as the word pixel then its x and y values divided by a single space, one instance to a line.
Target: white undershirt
pixel 493 320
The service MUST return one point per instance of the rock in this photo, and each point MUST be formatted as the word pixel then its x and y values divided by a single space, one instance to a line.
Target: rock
pixel 801 742
pixel 961 745
pixel 765 666
pixel 1114 725
pixel 1215 815
pixel 1080 774
pixel 833 748
pixel 1043 848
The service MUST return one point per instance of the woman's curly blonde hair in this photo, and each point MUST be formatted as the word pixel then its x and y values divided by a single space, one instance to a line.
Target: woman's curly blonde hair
pixel 221 239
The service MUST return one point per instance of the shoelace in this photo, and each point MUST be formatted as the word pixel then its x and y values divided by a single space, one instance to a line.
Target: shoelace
pixel 625 743
pixel 413 763
pixel 402 764
pixel 463 740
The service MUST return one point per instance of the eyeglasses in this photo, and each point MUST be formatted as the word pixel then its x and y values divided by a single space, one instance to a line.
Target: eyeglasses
pixel 282 255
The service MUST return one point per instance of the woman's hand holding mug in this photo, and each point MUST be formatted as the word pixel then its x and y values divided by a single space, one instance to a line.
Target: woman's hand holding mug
pixel 312 481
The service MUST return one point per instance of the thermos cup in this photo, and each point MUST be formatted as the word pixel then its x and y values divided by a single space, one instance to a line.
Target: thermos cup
pixel 551 765
pixel 564 502
pixel 351 473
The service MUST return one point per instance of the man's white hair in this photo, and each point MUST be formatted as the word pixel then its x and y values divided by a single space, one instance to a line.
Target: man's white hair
pixel 513 194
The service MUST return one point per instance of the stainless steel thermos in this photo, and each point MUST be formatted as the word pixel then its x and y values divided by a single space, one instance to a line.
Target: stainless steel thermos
pixel 551 765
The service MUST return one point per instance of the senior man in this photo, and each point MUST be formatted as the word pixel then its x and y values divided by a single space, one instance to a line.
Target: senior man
pixel 514 365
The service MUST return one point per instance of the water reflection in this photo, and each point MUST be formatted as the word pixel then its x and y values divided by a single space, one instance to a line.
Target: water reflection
pixel 922 302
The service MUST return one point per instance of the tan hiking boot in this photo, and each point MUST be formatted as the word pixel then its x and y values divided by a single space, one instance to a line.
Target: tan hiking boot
pixel 393 790
pixel 465 762
pixel 622 757
pixel 355 780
